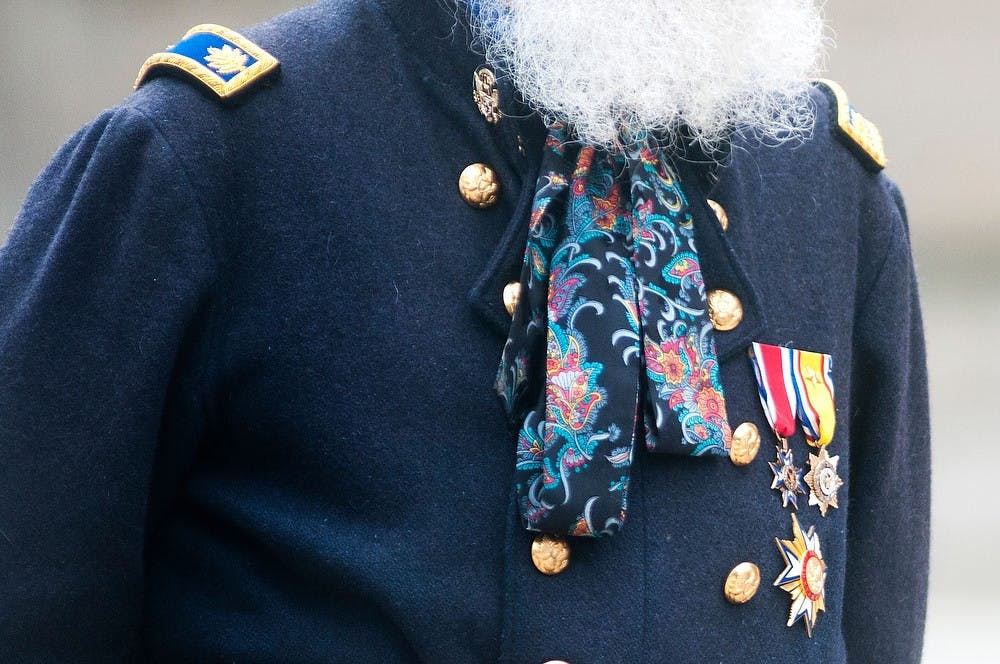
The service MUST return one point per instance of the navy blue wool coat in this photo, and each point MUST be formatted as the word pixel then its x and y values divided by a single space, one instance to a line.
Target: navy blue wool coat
pixel 247 354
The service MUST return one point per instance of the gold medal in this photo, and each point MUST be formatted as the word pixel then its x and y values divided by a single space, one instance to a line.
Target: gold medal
pixel 823 480
pixel 804 576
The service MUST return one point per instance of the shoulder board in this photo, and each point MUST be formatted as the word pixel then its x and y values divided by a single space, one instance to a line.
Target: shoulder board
pixel 223 60
pixel 858 132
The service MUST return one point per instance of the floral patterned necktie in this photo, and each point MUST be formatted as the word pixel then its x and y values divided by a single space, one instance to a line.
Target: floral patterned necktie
pixel 611 334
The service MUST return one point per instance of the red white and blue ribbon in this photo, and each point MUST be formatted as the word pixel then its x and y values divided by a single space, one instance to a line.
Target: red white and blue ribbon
pixel 776 386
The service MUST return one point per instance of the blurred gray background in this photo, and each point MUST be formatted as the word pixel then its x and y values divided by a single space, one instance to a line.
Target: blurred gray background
pixel 924 71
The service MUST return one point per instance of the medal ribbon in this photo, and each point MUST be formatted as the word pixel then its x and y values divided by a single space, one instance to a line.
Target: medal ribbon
pixel 611 343
pixel 796 384
pixel 776 386
pixel 814 388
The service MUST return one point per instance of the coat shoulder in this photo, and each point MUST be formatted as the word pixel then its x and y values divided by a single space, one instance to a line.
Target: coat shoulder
pixel 856 132
pixel 215 80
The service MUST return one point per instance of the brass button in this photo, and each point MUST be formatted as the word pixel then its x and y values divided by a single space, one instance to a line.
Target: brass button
pixel 724 310
pixel 511 296
pixel 486 95
pixel 742 583
pixel 720 213
pixel 550 554
pixel 745 445
pixel 479 186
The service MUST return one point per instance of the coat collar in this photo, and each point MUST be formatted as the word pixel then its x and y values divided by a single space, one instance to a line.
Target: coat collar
pixel 439 37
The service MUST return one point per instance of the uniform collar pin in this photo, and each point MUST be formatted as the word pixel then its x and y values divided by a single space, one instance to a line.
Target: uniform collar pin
pixel 486 94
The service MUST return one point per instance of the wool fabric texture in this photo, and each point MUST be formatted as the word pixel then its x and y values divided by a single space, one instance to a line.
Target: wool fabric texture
pixel 246 401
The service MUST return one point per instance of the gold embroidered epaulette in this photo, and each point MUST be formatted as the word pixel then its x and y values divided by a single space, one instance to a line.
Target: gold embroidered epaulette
pixel 858 132
pixel 223 60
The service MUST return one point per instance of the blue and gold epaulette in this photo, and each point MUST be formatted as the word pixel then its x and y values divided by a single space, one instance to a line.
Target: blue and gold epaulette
pixel 223 60
pixel 856 131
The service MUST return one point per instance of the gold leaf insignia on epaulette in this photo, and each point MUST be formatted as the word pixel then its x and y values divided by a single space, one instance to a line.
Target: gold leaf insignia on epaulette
pixel 222 59
pixel 858 132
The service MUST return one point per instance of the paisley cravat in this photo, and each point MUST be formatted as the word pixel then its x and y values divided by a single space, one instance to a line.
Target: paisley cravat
pixel 611 341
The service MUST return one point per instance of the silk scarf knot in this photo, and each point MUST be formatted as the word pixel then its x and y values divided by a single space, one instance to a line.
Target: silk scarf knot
pixel 611 342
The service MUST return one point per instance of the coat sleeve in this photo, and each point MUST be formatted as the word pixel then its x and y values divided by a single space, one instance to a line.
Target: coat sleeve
pixel 888 525
pixel 103 286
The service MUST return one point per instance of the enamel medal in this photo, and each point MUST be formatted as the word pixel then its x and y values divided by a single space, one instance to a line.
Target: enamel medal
pixel 823 480
pixel 777 400
pixel 798 385
pixel 804 576
pixel 787 478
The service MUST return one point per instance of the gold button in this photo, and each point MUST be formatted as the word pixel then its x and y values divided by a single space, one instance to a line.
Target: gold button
pixel 479 186
pixel 724 310
pixel 550 554
pixel 720 213
pixel 745 445
pixel 486 95
pixel 511 296
pixel 742 583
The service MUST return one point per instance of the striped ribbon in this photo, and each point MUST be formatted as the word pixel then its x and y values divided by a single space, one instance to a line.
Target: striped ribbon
pixel 813 373
pixel 772 364
pixel 796 385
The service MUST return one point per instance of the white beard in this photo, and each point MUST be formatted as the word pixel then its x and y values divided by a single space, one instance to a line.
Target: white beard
pixel 678 69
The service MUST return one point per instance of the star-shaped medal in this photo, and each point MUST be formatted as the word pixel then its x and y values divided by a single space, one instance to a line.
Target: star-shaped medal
pixel 804 576
pixel 823 480
pixel 787 478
